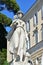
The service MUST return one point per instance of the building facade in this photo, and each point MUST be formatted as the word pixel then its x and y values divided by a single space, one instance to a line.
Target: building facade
pixel 34 22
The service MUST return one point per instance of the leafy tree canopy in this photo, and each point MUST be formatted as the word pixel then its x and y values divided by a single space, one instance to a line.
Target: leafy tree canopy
pixel 5 20
pixel 3 57
pixel 11 5
pixel 3 40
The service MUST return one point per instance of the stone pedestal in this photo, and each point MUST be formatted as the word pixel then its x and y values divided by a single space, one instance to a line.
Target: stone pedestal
pixel 20 63
pixel 25 62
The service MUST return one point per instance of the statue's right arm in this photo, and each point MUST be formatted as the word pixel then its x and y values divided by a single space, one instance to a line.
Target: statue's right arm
pixel 13 22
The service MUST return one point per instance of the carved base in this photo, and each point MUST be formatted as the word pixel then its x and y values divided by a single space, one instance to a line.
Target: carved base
pixel 23 62
pixel 20 63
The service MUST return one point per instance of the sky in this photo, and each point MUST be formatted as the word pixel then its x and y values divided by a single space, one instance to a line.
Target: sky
pixel 24 6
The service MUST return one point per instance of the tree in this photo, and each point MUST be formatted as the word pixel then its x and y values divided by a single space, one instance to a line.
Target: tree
pixel 3 58
pixel 3 40
pixel 5 20
pixel 11 5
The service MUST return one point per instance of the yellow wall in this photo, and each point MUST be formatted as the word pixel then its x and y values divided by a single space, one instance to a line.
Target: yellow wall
pixel 32 28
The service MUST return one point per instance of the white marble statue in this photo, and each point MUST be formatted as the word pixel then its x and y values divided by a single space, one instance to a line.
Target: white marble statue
pixel 17 45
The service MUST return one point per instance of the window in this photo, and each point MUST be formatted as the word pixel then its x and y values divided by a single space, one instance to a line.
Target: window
pixel 42 12
pixel 35 19
pixel 36 36
pixel 42 31
pixel 28 43
pixel 28 26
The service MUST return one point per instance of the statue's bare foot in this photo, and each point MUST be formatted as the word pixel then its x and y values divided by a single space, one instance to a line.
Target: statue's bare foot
pixel 17 58
pixel 23 58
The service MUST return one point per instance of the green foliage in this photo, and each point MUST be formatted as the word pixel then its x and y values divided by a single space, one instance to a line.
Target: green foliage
pixel 3 45
pixel 5 20
pixel 3 40
pixel 3 57
pixel 10 5
pixel 6 63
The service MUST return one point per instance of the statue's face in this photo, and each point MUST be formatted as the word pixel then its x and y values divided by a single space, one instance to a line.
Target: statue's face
pixel 20 15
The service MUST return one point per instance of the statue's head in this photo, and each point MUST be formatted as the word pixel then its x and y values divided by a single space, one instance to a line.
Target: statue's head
pixel 20 14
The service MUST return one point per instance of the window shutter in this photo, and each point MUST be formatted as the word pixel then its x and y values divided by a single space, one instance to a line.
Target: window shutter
pixel 35 19
pixel 42 12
